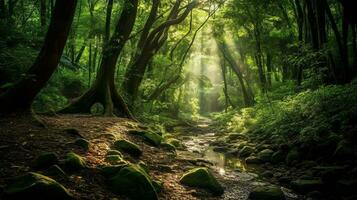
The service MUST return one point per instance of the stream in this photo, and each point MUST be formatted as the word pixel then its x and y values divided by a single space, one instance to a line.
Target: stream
pixel 236 176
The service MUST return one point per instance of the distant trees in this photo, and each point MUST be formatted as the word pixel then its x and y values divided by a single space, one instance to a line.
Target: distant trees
pixel 19 97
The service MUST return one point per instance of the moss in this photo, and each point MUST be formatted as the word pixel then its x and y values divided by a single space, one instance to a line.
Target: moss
pixel 74 162
pixel 293 155
pixel 45 160
pixel 115 159
pixel 168 147
pixel 111 170
pixel 133 182
pixel 306 185
pixel 153 138
pixel 265 155
pixel 246 151
pixel 202 178
pixel 114 152
pixel 174 142
pixel 36 186
pixel 56 171
pixel 82 143
pixel 267 193
pixel 129 147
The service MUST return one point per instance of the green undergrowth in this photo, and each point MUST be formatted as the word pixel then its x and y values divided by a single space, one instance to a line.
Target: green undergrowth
pixel 310 115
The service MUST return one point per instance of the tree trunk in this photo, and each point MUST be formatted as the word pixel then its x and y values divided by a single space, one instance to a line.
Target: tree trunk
pixel 103 89
pixel 19 98
pixel 43 13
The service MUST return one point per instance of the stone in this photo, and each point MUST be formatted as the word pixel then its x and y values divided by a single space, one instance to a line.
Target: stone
pixel 265 155
pixel 344 150
pixel 36 186
pixel 115 159
pixel 74 162
pixel 220 149
pixel 266 193
pixel 278 157
pixel 307 185
pixel 114 152
pixel 56 171
pixel 202 178
pixel 315 195
pixel 153 138
pixel 253 160
pixel 177 143
pixel 236 136
pixel 128 147
pixel 267 174
pixel 168 147
pixel 158 186
pixel 133 182
pixel 246 151
pixel 293 155
pixel 111 170
pixel 144 166
pixel 83 143
pixel 45 160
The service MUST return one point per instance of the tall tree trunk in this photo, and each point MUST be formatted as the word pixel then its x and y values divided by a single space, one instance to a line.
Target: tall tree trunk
pixel 20 97
pixel 3 10
pixel 43 14
pixel 108 21
pixel 103 89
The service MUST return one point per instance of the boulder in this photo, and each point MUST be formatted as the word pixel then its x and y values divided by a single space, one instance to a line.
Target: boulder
pixel 292 156
pixel 83 143
pixel 267 174
pixel 128 147
pixel 133 182
pixel 74 162
pixel 265 155
pixel 307 185
pixel 114 152
pixel 278 157
pixel 177 143
pixel 115 159
pixel 202 178
pixel 152 138
pixel 168 147
pixel 36 186
pixel 253 160
pixel 56 171
pixel 344 150
pixel 266 193
pixel 246 151
pixel 111 170
pixel 236 136
pixel 45 160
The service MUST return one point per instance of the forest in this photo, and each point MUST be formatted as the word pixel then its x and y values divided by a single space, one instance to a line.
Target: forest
pixel 178 99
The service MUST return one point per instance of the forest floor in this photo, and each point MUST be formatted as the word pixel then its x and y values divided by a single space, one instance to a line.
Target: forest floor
pixel 21 142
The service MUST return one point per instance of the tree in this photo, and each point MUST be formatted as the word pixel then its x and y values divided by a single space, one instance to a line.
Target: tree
pixel 103 89
pixel 19 98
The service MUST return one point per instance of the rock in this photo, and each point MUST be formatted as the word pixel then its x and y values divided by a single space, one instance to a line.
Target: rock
pixel 168 147
pixel 284 179
pixel 220 149
pixel 133 182
pixel 177 143
pixel 115 159
pixel 344 150
pixel 83 143
pixel 278 157
pixel 236 136
pixel 45 160
pixel 153 138
pixel 266 193
pixel 158 186
pixel 246 151
pixel 293 155
pixel 263 146
pixel 253 160
pixel 136 132
pixel 111 170
pixel 114 152
pixel 36 186
pixel 346 186
pixel 56 171
pixel 144 166
pixel 74 162
pixel 129 147
pixel 267 174
pixel 73 131
pixel 202 178
pixel 306 185
pixel 265 155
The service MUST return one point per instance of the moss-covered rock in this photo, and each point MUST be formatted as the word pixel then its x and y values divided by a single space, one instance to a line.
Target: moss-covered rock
pixel 168 147
pixel 74 162
pixel 158 186
pixel 307 185
pixel 175 142
pixel 344 150
pixel 133 182
pixel 253 160
pixel 45 160
pixel 202 178
pixel 143 166
pixel 153 138
pixel 236 136
pixel 292 156
pixel 265 155
pixel 267 193
pixel 278 157
pixel 114 152
pixel 115 159
pixel 36 186
pixel 246 151
pixel 83 143
pixel 128 147
pixel 111 170
pixel 56 171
